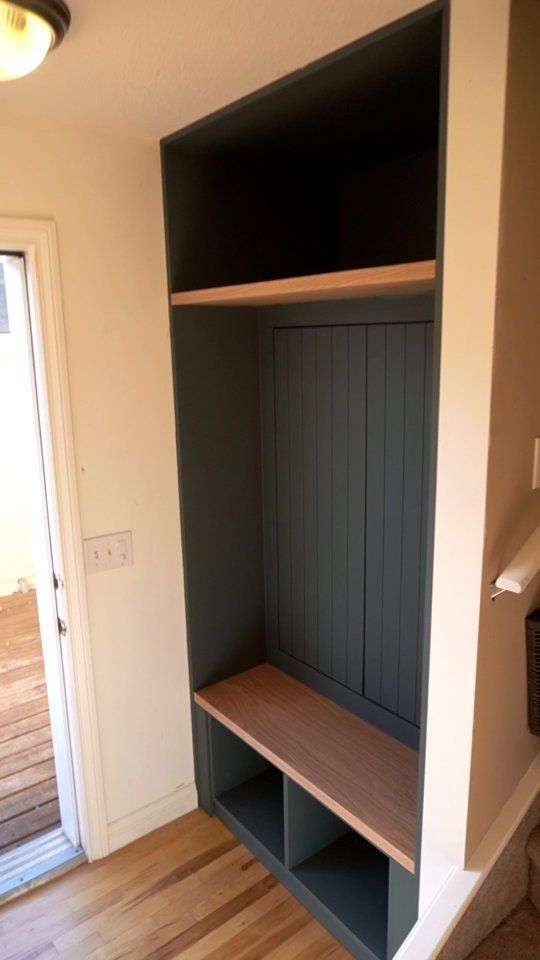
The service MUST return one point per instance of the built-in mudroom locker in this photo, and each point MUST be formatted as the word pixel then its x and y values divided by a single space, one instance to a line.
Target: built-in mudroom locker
pixel 303 226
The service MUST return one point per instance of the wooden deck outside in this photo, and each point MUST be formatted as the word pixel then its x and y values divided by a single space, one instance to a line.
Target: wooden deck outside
pixel 28 792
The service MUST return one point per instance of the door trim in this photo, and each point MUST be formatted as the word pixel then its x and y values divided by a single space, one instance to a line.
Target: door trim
pixel 43 528
pixel 37 241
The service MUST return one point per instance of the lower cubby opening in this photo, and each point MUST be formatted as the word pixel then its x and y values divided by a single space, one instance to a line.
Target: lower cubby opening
pixel 350 878
pixel 248 789
pixel 346 874
pixel 258 805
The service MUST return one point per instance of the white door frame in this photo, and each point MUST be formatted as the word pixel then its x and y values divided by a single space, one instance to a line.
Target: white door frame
pixel 32 433
pixel 37 241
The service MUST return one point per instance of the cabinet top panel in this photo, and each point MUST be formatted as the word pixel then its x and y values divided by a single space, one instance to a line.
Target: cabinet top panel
pixel 380 94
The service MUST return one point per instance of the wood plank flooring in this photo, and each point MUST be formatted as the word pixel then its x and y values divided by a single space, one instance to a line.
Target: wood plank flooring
pixel 28 792
pixel 188 890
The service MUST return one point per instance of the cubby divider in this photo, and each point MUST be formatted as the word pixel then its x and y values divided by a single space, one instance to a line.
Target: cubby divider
pixel 308 825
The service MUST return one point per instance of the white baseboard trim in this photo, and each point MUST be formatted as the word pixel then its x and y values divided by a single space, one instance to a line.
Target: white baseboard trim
pixel 434 927
pixel 149 818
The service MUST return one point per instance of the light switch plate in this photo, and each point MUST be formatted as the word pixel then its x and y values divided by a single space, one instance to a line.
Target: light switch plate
pixel 109 551
pixel 536 464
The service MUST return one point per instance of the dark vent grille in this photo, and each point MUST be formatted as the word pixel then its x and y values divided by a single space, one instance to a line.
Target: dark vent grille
pixel 532 625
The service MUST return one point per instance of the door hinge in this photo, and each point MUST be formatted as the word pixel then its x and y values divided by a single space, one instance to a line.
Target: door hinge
pixel 62 628
pixel 58 582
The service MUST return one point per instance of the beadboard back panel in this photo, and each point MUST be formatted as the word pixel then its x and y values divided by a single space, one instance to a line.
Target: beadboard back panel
pixel 346 426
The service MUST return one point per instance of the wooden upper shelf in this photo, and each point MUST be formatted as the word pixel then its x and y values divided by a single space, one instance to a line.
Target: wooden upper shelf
pixel 345 284
pixel 363 775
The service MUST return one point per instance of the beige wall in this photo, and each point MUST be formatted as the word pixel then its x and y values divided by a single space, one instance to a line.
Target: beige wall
pixel 477 86
pixel 104 194
pixel 503 748
pixel 478 746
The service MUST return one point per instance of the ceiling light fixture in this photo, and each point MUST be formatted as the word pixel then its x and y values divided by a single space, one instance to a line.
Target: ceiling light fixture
pixel 28 30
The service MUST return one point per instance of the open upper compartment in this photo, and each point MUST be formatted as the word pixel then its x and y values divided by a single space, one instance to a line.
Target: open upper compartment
pixel 333 168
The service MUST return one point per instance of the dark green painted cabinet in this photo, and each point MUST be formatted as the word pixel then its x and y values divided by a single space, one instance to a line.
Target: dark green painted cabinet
pixel 306 435
pixel 347 393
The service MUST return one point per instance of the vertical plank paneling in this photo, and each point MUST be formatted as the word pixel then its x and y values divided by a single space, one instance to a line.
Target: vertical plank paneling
pixel 415 349
pixel 296 461
pixel 375 460
pixel 309 414
pixel 340 436
pixel 324 496
pixel 283 491
pixel 393 513
pixel 356 494
pixel 351 417
pixel 269 486
pixel 426 467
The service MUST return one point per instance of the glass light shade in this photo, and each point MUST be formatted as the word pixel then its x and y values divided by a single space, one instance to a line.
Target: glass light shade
pixel 25 40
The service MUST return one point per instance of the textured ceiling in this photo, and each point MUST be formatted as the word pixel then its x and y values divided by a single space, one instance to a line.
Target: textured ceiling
pixel 148 68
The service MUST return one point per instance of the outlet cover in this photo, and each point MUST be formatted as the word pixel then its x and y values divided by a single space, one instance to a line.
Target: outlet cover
pixel 108 552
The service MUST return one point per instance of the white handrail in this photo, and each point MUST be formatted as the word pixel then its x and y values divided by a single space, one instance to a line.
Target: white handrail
pixel 521 570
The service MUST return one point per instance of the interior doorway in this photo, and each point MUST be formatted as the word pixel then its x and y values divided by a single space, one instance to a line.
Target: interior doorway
pixel 39 822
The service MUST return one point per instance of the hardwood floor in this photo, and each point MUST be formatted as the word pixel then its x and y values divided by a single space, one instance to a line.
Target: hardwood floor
pixel 188 890
pixel 28 793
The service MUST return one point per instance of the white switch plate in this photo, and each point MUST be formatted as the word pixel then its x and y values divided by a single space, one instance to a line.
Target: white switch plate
pixel 536 464
pixel 109 551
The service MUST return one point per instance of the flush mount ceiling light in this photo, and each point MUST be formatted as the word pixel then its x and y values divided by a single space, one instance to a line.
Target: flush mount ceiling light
pixel 28 30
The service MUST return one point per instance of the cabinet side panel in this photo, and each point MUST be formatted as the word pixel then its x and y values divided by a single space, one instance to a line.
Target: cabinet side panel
pixel 215 354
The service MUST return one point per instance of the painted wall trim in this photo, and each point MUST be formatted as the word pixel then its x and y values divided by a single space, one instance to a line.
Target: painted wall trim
pixel 152 816
pixel 433 929
pixel 37 240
